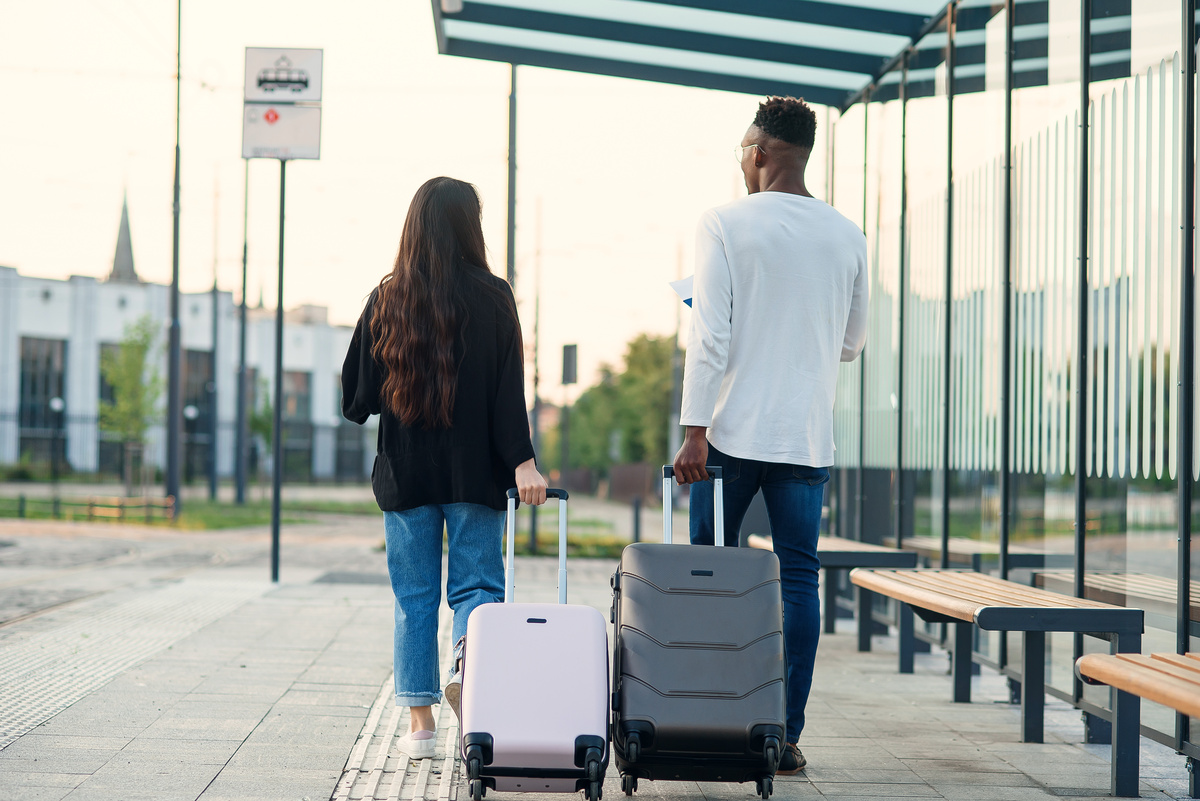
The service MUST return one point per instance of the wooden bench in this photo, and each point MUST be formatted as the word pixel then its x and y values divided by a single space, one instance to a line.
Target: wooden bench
pixel 1172 680
pixel 975 554
pixel 967 599
pixel 1158 595
pixel 838 554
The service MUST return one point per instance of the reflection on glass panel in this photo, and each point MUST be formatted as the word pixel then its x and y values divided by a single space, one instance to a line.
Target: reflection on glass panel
pixel 1193 475
pixel 977 303
pixel 1133 314
pixel 924 303
pixel 846 195
pixel 884 142
pixel 1045 266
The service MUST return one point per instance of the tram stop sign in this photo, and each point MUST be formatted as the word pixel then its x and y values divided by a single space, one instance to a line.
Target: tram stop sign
pixel 282 113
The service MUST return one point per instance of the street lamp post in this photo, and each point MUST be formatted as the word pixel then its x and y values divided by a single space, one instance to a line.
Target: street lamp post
pixel 174 343
pixel 56 406
pixel 190 414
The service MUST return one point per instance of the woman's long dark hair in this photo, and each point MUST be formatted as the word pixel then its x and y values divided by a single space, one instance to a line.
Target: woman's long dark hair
pixel 416 314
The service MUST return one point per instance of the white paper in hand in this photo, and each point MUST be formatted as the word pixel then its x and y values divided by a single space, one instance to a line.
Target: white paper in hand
pixel 683 288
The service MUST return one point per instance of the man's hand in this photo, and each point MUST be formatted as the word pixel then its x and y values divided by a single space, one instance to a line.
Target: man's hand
pixel 531 486
pixel 690 461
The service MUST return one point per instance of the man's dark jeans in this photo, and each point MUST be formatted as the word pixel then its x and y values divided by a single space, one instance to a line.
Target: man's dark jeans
pixel 793 494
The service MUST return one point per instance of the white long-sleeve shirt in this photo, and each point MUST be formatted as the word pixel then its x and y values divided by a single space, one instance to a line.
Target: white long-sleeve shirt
pixel 779 299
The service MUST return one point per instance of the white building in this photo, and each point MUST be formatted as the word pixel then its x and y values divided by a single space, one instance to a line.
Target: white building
pixel 51 336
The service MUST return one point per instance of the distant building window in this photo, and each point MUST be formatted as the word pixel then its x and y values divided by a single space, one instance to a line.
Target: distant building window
pixel 43 376
pixel 106 389
pixel 297 395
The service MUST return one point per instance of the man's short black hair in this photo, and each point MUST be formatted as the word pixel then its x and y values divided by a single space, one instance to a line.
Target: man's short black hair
pixel 788 119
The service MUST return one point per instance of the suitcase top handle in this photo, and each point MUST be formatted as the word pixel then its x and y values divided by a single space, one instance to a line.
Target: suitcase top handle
pixel 717 475
pixel 510 526
pixel 714 471
pixel 551 492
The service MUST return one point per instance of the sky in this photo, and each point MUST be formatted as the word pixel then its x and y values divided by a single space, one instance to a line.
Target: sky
pixel 612 173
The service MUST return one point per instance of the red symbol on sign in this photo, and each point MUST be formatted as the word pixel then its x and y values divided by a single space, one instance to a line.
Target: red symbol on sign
pixel 271 116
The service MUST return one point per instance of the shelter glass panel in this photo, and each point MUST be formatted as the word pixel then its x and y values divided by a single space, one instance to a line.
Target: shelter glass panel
pixel 926 143
pixel 1044 300
pixel 846 192
pixel 884 188
pixel 977 289
pixel 1133 321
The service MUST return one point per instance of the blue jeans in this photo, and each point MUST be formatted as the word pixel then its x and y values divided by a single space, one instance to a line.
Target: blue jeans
pixel 475 575
pixel 793 494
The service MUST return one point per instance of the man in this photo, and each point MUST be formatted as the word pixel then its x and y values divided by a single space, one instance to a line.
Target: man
pixel 779 298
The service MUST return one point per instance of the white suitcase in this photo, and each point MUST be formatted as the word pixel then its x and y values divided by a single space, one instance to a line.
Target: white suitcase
pixel 535 694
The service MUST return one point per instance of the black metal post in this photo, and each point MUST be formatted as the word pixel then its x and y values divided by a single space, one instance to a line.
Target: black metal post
pixel 637 518
pixel 1081 350
pixel 212 397
pixel 1187 351
pixel 174 344
pixel 861 509
pixel 841 529
pixel 565 430
pixel 1006 324
pixel 57 445
pixel 242 433
pixel 512 177
pixel 948 384
pixel 535 423
pixel 901 292
pixel 277 426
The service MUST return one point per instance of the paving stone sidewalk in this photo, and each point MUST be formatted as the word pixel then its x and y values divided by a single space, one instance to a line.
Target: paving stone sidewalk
pixel 218 685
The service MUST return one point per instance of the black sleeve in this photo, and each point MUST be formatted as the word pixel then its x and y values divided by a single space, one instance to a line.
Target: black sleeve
pixel 510 421
pixel 361 380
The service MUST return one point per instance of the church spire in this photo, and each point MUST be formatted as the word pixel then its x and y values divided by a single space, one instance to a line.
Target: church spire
pixel 122 269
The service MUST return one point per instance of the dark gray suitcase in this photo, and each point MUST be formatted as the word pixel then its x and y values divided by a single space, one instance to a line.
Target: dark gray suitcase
pixel 698 660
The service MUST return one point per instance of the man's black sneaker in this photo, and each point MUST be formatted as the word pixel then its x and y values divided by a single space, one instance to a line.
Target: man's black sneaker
pixel 792 761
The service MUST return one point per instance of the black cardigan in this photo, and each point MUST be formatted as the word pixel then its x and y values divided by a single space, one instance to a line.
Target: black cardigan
pixel 474 460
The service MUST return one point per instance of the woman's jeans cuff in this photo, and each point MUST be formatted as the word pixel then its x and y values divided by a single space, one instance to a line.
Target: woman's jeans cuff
pixel 426 699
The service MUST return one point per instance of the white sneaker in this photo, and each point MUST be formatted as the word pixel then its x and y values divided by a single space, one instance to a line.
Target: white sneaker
pixel 417 749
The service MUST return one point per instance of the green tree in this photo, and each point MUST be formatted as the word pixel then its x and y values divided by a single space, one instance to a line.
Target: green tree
pixel 261 423
pixel 645 399
pixel 137 387
pixel 592 421
pixel 625 417
pixel 262 417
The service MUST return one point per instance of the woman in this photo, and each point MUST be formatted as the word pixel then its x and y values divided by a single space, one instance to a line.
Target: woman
pixel 437 354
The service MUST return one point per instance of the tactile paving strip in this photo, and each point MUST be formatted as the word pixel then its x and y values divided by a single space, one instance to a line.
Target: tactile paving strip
pixel 45 673
pixel 375 771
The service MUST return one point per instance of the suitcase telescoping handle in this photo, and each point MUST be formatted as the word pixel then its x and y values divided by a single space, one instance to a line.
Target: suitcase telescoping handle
pixel 716 475
pixel 510 520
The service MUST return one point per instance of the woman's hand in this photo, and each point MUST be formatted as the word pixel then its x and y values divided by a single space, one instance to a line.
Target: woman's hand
pixel 530 485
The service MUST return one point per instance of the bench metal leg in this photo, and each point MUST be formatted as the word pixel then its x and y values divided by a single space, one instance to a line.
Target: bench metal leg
pixel 963 632
pixel 1193 783
pixel 1126 744
pixel 1033 687
pixel 1126 728
pixel 865 623
pixel 908 638
pixel 831 588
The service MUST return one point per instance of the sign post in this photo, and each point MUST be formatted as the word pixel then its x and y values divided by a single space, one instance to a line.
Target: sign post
pixel 281 119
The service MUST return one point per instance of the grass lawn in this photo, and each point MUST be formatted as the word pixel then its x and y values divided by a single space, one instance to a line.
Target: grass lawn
pixel 586 537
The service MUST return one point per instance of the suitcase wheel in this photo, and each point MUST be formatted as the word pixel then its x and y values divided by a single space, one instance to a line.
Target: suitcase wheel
pixel 633 747
pixel 629 784
pixel 477 789
pixel 771 752
pixel 765 786
pixel 594 791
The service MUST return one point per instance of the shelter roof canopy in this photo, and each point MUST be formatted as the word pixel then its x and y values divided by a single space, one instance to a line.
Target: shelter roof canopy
pixel 822 51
